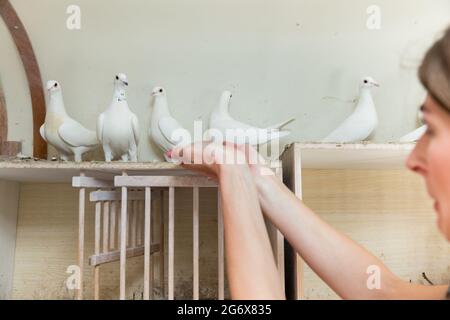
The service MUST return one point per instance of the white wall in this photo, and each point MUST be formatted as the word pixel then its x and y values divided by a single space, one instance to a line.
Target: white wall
pixel 9 201
pixel 279 57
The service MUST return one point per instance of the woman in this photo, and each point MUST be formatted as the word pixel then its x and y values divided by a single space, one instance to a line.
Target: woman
pixel 247 194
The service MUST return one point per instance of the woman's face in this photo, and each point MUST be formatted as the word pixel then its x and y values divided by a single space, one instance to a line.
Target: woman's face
pixel 431 159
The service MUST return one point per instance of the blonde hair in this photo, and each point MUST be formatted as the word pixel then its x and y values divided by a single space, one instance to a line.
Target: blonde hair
pixel 435 71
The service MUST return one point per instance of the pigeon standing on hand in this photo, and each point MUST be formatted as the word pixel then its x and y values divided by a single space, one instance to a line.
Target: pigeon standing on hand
pixel 362 122
pixel 165 130
pixel 241 133
pixel 118 127
pixel 62 132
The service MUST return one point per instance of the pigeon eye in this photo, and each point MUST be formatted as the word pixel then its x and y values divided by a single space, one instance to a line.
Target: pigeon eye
pixel 56 85
pixel 161 90
pixel 365 81
pixel 117 77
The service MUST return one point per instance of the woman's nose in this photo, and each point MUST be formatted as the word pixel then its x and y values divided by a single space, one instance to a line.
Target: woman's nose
pixel 416 161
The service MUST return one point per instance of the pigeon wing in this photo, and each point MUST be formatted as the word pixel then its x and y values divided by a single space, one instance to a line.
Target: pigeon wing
pixel 75 135
pixel 135 126
pixel 167 126
pixel 42 131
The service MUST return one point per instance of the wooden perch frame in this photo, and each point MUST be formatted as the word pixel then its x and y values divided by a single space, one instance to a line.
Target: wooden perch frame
pixel 29 61
pixel 124 228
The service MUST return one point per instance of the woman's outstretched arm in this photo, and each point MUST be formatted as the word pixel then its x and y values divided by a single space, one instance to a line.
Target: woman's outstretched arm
pixel 252 271
pixel 251 267
pixel 338 260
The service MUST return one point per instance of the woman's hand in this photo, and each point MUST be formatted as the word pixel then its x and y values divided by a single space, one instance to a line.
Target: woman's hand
pixel 209 158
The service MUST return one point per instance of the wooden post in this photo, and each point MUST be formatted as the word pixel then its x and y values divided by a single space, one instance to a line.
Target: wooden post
pixel 112 233
pixel 196 243
pixel 147 243
pixel 161 244
pixel 123 242
pixel 98 212
pixel 134 219
pixel 140 224
pixel 221 249
pixel 171 241
pixel 292 178
pixel 105 226
pixel 81 216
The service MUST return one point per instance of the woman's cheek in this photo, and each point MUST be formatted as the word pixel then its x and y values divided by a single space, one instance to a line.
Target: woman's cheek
pixel 439 175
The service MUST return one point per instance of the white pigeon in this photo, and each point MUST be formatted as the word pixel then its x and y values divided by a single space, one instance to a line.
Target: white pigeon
pixel 62 132
pixel 415 135
pixel 362 122
pixel 118 127
pixel 238 132
pixel 419 132
pixel 165 130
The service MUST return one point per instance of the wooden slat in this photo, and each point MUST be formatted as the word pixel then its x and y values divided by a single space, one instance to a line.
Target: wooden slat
pixel 123 243
pixel 112 229
pixel 97 234
pixel 139 224
pixel 119 224
pixel 88 182
pixel 161 181
pixel 134 219
pixel 221 250
pixel 31 66
pixel 95 196
pixel 147 238
pixel 152 261
pixel 81 217
pixel 105 226
pixel 196 242
pixel 171 293
pixel 292 178
pixel 113 256
pixel 161 242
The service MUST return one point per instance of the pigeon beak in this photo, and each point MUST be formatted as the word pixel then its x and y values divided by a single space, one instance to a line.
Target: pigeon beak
pixel 376 84
pixel 125 83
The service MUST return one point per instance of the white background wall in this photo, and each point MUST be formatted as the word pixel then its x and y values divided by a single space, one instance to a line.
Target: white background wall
pixel 279 57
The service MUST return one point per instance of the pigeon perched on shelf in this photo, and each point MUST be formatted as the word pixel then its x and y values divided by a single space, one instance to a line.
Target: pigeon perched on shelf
pixel 165 130
pixel 362 122
pixel 68 136
pixel 118 127
pixel 234 131
pixel 415 135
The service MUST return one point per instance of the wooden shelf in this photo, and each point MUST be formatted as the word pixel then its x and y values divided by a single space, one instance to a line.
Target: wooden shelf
pixel 313 156
pixel 353 156
pixel 40 171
